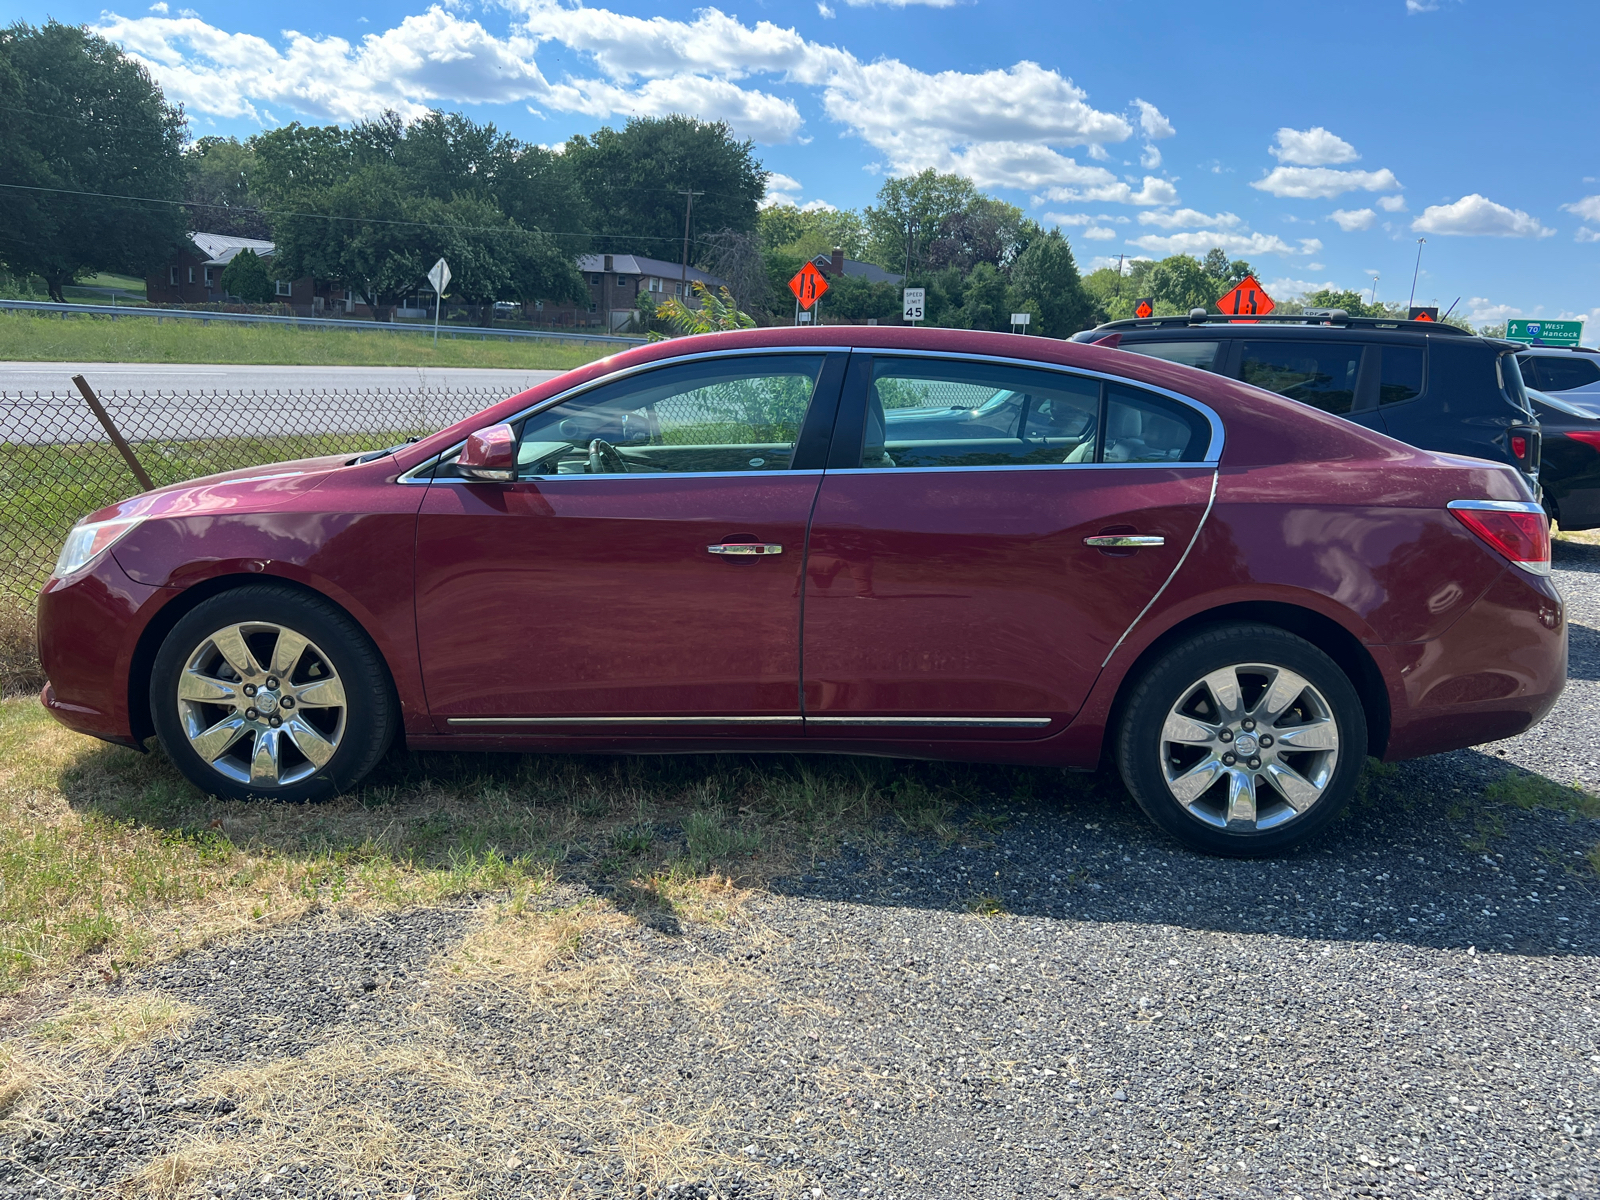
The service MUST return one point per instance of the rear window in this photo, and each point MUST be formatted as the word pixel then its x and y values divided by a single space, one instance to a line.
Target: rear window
pixel 1185 353
pixel 1400 377
pixel 1321 374
pixel 1551 374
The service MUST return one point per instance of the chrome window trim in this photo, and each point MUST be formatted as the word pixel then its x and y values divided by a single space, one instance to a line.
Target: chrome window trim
pixel 429 464
pixel 1167 466
pixel 809 472
pixel 1213 452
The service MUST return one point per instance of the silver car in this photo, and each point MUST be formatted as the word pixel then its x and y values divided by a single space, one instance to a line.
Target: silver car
pixel 1571 372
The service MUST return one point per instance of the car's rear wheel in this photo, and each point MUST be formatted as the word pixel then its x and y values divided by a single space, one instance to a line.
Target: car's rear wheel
pixel 1243 740
pixel 268 693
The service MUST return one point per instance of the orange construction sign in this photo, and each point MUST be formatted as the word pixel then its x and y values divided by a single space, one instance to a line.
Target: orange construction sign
pixel 808 285
pixel 1247 299
pixel 1144 306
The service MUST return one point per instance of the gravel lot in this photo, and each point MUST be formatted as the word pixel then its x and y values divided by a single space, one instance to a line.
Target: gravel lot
pixel 1068 1007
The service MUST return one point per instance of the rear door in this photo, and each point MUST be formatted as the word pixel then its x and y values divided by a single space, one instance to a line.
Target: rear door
pixel 951 587
pixel 642 573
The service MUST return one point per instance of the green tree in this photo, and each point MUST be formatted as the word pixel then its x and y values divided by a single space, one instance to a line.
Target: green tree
pixel 909 215
pixel 632 179
pixel 86 125
pixel 784 228
pixel 247 277
pixel 217 191
pixel 1045 281
pixel 1179 283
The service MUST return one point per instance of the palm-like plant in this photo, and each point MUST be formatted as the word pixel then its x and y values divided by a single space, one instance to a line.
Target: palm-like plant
pixel 715 314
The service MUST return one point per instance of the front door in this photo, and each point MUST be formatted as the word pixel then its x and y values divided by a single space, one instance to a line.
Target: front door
pixel 644 567
pixel 950 589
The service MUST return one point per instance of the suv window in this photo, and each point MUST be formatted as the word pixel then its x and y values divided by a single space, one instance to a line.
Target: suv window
pixel 1551 374
pixel 1186 353
pixel 1322 375
pixel 1400 378
pixel 731 414
pixel 954 413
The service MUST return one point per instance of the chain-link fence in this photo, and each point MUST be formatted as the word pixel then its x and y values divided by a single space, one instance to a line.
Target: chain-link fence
pixel 57 462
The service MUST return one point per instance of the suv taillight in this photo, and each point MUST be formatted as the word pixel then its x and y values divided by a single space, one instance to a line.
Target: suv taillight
pixel 1524 442
pixel 1517 530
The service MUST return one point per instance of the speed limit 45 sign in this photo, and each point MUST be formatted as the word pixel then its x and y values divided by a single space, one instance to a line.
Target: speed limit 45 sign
pixel 915 298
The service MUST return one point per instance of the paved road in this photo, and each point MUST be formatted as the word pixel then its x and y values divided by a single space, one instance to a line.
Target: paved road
pixel 184 377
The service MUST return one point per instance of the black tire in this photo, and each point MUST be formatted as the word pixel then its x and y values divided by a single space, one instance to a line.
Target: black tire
pixel 1212 821
pixel 353 734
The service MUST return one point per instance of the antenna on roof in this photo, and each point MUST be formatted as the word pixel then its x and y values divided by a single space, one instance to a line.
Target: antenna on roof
pixel 1452 307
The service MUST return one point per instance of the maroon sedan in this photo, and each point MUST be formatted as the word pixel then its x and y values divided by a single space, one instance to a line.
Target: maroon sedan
pixel 919 543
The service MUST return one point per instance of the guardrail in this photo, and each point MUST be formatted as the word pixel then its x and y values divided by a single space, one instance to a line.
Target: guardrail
pixel 185 314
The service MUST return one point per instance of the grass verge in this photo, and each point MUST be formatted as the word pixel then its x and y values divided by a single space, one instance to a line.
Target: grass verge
pixel 26 337
pixel 110 858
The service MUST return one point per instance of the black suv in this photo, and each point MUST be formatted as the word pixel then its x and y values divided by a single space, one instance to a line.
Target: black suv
pixel 1432 385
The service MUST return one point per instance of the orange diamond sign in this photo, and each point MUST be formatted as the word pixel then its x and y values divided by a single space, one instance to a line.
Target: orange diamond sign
pixel 1247 299
pixel 1144 307
pixel 808 285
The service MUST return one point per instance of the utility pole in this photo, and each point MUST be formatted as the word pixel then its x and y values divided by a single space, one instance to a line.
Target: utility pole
pixel 1415 271
pixel 688 208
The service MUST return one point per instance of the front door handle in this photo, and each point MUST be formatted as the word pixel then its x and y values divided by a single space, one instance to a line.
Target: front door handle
pixel 745 548
pixel 1126 541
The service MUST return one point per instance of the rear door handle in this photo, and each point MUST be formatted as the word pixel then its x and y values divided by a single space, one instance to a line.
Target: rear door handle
pixel 745 548
pixel 1123 540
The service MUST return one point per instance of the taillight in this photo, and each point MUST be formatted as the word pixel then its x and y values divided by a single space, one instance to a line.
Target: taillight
pixel 1519 446
pixel 1589 437
pixel 1517 530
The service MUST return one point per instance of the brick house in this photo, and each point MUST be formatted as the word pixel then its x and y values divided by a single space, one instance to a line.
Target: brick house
pixel 836 264
pixel 194 276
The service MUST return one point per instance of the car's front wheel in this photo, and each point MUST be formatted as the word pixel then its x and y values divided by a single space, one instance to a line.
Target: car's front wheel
pixel 268 693
pixel 1243 740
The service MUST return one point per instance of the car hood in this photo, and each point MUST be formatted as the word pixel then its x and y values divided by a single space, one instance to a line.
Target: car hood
pixel 250 489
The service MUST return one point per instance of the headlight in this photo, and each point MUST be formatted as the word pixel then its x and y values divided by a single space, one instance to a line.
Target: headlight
pixel 87 542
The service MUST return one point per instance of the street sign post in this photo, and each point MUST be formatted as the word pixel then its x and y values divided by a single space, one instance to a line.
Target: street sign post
pixel 440 278
pixel 808 286
pixel 1020 319
pixel 1247 298
pixel 1544 333
pixel 915 301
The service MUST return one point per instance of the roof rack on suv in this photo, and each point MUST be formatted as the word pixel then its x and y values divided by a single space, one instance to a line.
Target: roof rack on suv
pixel 1320 316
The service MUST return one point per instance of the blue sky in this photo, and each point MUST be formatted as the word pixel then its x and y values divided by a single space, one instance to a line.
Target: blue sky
pixel 1318 141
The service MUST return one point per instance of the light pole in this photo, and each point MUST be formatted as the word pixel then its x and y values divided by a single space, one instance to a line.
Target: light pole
pixel 1373 299
pixel 1415 271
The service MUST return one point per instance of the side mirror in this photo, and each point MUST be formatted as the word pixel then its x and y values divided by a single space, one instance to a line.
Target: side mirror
pixel 490 455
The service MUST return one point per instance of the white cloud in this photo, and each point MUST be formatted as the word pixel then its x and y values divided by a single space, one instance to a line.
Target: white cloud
pixel 1083 220
pixel 1103 261
pixel 1413 7
pixel 1480 311
pixel 1150 158
pixel 1351 219
pixel 1201 241
pixel 1477 216
pixel 1324 183
pixel 1316 267
pixel 784 190
pixel 1285 288
pixel 160 6
pixel 1154 125
pixel 1392 203
pixel 824 11
pixel 1585 234
pixel 1314 147
pixel 1588 208
pixel 1153 192
pixel 1188 218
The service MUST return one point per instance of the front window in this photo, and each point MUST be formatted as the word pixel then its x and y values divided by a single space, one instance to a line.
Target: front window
pixel 1321 374
pixel 727 415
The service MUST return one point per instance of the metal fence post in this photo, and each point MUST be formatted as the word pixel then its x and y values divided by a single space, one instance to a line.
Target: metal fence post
pixel 104 418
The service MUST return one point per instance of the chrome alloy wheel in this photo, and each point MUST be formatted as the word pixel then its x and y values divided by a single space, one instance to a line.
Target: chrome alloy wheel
pixel 261 704
pixel 1249 747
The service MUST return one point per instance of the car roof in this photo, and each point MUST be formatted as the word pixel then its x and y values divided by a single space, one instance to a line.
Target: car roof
pixel 1335 326
pixel 1540 348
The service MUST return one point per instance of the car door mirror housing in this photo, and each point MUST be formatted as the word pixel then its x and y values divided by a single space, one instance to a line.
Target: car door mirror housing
pixel 490 455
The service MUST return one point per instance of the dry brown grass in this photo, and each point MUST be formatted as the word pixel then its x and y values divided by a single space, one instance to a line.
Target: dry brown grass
pixel 19 652
pixel 1588 537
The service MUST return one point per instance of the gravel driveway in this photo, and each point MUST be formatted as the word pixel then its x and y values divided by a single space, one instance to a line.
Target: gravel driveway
pixel 1072 1007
